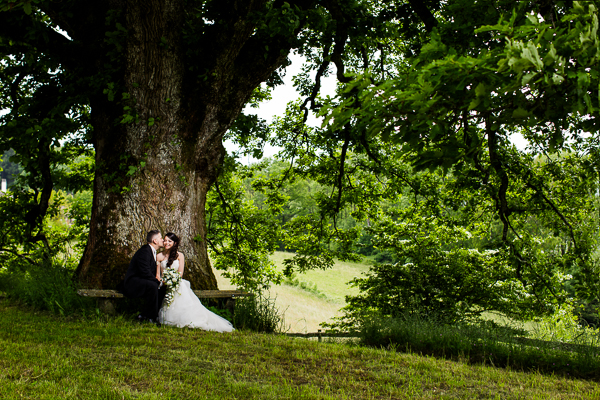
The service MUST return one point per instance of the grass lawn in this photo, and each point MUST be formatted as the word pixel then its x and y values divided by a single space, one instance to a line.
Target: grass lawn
pixel 331 282
pixel 47 357
pixel 304 311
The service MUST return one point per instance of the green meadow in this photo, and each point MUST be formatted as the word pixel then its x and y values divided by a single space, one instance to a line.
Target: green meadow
pixel 305 308
pixel 44 356
pixel 94 356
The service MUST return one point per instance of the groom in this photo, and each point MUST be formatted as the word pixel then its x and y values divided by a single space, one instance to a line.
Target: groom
pixel 140 279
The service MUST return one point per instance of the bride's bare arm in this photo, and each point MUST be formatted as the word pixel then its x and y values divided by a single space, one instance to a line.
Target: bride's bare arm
pixel 181 259
pixel 159 258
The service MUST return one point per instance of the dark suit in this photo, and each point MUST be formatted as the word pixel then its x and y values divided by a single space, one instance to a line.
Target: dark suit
pixel 140 281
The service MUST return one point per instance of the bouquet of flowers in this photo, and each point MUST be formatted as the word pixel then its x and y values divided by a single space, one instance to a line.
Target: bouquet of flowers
pixel 171 279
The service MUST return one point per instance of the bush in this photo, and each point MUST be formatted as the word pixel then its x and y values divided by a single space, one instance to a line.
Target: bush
pixel 257 313
pixel 222 312
pixel 46 286
pixel 437 274
pixel 483 342
pixel 39 272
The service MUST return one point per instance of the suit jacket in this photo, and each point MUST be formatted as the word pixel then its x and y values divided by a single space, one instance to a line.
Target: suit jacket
pixel 142 265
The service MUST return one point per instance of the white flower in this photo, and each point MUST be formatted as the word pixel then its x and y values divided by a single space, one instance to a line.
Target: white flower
pixel 171 279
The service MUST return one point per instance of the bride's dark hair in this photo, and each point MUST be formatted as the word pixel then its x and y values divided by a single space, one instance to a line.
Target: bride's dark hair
pixel 174 251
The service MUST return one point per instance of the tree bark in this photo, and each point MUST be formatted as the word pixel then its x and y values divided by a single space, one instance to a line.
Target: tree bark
pixel 154 171
pixel 145 181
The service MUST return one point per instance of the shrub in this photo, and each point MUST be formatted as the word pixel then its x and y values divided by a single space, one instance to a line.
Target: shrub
pixel 47 286
pixel 222 312
pixel 483 342
pixel 257 313
pixel 436 273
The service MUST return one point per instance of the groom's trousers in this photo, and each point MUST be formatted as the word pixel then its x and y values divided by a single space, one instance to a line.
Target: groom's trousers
pixel 148 290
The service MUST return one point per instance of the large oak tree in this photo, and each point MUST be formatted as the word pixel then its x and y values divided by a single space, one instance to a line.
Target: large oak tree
pixel 154 85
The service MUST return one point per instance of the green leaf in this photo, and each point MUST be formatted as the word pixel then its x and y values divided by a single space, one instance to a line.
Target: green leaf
pixel 533 18
pixel 557 79
pixel 474 103
pixel 550 57
pixel 531 54
pixel 520 113
pixel 527 78
pixel 27 8
pixel 481 90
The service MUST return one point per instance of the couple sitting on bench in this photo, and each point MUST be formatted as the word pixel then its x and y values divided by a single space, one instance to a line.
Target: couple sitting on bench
pixel 144 279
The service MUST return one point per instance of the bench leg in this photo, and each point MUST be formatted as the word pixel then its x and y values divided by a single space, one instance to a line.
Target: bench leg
pixel 230 305
pixel 106 305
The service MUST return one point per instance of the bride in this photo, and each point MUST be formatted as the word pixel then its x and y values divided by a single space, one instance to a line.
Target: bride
pixel 185 308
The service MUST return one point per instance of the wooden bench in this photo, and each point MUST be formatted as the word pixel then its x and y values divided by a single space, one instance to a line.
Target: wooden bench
pixel 105 297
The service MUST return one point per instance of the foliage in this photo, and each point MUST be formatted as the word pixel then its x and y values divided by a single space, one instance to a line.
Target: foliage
pixel 9 169
pixel 68 82
pixel 62 229
pixel 308 286
pixel 41 275
pixel 222 312
pixel 531 220
pixel 80 210
pixel 438 241
pixel 436 275
pixel 445 101
pixel 566 327
pixel 45 286
pixel 242 235
pixel 486 343
pixel 257 313
pixel 256 210
pixel 451 261
pixel 437 85
pixel 34 236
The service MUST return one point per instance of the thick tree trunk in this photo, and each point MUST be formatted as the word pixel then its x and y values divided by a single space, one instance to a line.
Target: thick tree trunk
pixel 155 167
pixel 148 177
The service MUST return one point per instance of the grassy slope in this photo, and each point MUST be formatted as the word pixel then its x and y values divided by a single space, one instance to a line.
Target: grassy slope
pixel 48 357
pixel 304 311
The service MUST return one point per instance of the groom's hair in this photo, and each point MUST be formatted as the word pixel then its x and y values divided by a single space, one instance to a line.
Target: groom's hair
pixel 151 234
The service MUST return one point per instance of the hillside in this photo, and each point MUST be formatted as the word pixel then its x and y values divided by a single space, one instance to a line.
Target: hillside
pixel 304 309
pixel 43 356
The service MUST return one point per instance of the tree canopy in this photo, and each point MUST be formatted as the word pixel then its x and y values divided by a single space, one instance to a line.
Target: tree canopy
pixel 153 87
pixel 415 145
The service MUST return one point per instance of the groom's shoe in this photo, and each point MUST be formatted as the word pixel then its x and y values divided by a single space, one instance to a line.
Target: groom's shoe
pixel 144 320
pixel 155 322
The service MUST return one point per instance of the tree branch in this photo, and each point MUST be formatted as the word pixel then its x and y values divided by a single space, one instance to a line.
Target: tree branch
pixel 39 36
pixel 317 86
pixel 341 171
pixel 14 95
pixel 501 202
pixel 423 12
pixel 23 256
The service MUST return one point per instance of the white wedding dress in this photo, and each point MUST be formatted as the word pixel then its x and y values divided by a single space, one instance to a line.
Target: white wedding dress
pixel 186 310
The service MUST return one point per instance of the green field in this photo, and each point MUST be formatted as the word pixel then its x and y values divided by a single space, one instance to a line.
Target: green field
pixel 43 356
pixel 305 310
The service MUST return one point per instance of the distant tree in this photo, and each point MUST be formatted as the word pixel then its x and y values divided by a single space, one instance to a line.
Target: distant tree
pixel 8 169
pixel 486 73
